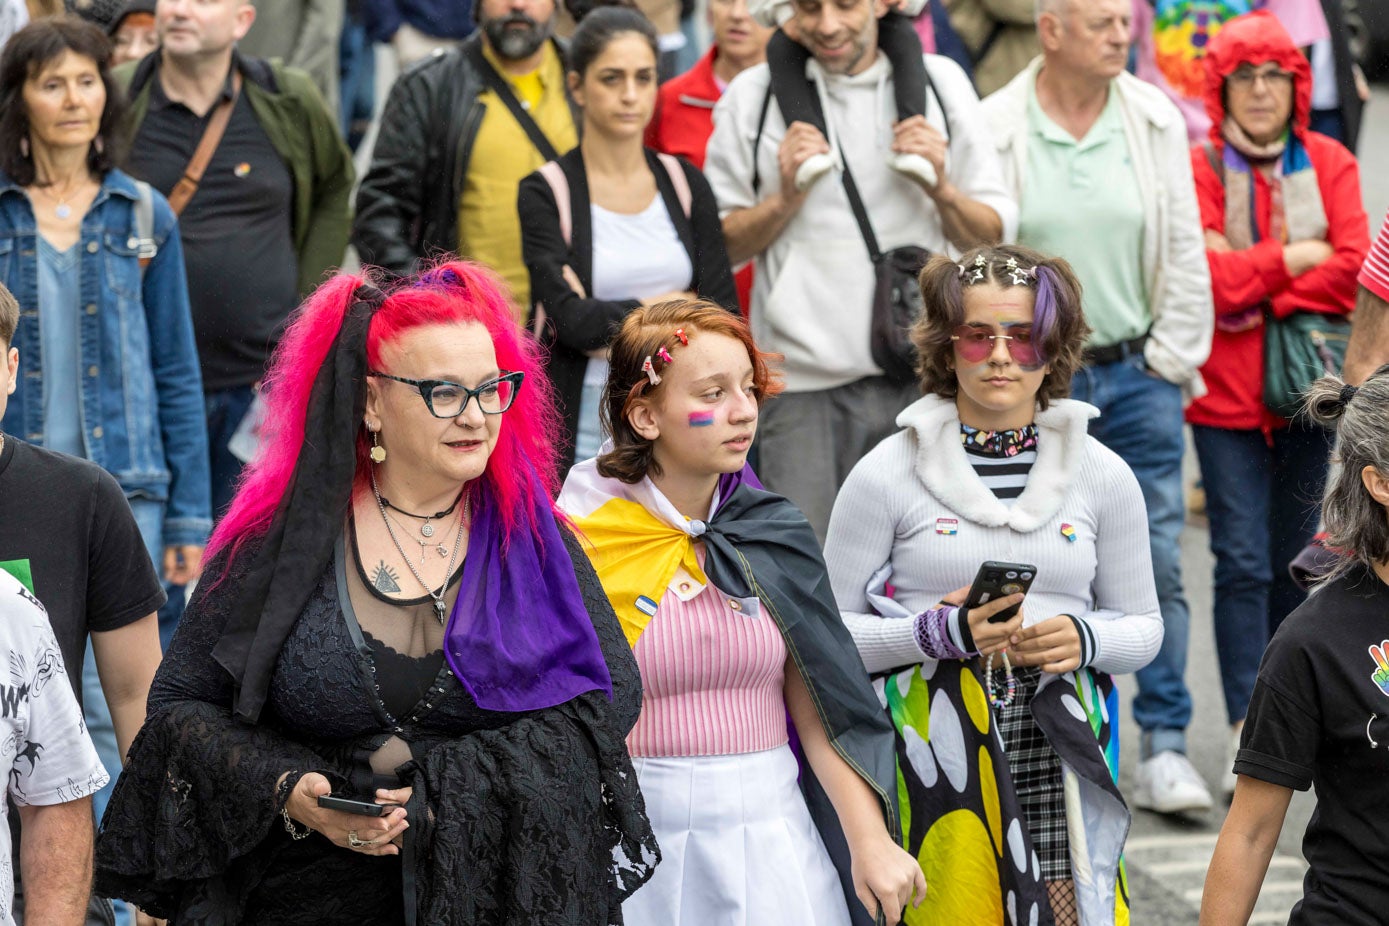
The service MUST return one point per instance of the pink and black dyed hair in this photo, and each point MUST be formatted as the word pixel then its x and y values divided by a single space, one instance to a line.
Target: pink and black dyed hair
pixel 1058 322
pixel 452 293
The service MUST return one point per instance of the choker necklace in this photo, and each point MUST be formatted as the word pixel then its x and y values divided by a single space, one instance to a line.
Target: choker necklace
pixel 437 598
pixel 426 529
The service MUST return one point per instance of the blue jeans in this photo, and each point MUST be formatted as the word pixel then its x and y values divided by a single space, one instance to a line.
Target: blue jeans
pixel 1141 420
pixel 589 439
pixel 1263 502
pixel 357 81
pixel 225 409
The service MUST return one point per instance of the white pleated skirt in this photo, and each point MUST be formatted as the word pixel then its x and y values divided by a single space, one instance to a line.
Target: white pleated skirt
pixel 738 847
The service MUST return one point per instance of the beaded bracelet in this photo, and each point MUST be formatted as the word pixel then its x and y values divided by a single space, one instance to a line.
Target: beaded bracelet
pixel 282 792
pixel 1003 701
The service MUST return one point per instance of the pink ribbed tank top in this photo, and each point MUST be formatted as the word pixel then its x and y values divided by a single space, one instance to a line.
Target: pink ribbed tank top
pixel 712 679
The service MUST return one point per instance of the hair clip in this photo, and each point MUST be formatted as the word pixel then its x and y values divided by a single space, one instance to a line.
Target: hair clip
pixel 684 338
pixel 650 370
pixel 663 354
pixel 980 268
pixel 963 270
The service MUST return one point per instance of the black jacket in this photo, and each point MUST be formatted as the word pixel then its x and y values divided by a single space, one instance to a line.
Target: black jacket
pixel 575 326
pixel 407 205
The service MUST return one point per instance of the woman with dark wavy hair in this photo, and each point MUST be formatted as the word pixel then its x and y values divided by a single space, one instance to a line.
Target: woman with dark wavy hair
pixel 999 705
pixel 394 617
pixel 105 333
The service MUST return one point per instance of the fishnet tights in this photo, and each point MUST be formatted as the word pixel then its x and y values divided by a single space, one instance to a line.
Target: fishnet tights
pixel 1063 902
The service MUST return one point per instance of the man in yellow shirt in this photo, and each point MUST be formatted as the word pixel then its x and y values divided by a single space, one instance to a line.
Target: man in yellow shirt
pixel 459 132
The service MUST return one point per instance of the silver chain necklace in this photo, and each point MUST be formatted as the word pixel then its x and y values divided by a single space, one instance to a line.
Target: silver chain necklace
pixel 438 599
pixel 436 545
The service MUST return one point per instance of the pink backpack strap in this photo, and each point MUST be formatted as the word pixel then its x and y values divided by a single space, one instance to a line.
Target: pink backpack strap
pixel 559 185
pixel 679 181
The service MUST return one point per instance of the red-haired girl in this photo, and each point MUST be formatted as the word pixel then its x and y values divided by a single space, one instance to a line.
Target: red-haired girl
pixel 721 591
pixel 392 616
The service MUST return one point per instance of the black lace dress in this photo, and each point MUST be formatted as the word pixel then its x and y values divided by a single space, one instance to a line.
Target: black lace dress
pixel 531 818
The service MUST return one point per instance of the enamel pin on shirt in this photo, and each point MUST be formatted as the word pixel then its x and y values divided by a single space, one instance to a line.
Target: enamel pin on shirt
pixel 947 526
pixel 646 606
pixel 1068 532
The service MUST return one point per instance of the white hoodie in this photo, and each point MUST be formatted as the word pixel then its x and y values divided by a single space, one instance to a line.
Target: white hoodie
pixel 813 291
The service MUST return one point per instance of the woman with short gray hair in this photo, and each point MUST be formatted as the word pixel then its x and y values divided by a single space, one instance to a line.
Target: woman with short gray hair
pixel 1319 715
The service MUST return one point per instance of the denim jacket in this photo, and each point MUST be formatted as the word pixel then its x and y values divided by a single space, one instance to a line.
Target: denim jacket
pixel 141 410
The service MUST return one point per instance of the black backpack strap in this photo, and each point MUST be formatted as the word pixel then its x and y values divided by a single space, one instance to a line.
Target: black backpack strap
pixel 757 141
pixel 502 89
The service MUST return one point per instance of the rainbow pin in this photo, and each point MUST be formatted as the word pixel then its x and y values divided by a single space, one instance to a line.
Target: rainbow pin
pixel 1068 532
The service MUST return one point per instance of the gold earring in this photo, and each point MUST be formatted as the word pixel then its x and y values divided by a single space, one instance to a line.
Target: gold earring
pixel 378 453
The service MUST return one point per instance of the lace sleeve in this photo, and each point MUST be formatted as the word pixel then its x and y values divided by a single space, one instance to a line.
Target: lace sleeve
pixel 539 822
pixel 197 793
pixel 622 664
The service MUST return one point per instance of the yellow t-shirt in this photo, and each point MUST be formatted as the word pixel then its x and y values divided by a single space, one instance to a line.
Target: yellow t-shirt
pixel 489 229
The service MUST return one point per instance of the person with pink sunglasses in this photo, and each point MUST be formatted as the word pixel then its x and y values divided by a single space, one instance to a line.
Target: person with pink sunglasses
pixel 998 715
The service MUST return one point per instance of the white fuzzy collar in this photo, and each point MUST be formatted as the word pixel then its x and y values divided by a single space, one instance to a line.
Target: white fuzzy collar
pixel 942 464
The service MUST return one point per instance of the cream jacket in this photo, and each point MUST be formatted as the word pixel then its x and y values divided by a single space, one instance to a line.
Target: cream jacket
pixel 1175 272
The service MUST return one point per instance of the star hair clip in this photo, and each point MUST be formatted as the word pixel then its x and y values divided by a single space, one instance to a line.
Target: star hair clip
pixel 1019 276
pixel 976 274
pixel 649 369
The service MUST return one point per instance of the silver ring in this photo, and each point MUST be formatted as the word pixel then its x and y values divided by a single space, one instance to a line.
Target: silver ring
pixel 356 842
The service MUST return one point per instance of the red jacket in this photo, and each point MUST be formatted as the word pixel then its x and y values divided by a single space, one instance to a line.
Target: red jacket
pixel 1235 371
pixel 684 117
pixel 682 124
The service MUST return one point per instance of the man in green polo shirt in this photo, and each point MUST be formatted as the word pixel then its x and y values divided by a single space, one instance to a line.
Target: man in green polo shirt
pixel 1099 163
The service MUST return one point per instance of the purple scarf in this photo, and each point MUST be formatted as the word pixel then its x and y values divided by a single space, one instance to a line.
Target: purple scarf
pixel 520 637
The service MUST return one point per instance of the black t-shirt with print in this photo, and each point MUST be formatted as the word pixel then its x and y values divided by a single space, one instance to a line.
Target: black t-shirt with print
pixel 67 531
pixel 1320 717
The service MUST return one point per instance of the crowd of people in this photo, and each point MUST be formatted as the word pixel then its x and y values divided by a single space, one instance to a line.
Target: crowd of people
pixel 791 431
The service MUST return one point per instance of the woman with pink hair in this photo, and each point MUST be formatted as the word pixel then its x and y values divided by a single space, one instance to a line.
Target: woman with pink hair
pixel 400 695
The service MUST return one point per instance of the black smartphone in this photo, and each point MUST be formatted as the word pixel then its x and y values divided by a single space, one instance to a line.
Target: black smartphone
pixel 361 808
pixel 995 579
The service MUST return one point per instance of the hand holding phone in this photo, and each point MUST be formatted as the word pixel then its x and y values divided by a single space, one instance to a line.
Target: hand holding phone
pixel 360 808
pixel 999 580
pixel 353 825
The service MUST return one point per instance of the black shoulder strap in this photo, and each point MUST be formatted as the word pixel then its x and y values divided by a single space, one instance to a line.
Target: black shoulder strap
pixel 502 89
pixel 757 140
pixel 940 101
pixel 865 226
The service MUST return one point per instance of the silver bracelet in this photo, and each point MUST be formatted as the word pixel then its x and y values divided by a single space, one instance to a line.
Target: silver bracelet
pixel 283 791
pixel 289 827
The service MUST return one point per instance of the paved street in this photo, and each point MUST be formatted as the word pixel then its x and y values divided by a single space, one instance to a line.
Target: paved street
pixel 1167 858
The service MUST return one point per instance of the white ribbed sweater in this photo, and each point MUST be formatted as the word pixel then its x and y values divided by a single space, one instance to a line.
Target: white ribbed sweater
pixel 894 510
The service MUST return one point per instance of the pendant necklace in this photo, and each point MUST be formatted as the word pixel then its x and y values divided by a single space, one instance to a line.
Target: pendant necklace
pixel 426 529
pixel 437 598
pixel 62 210
pixel 426 543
